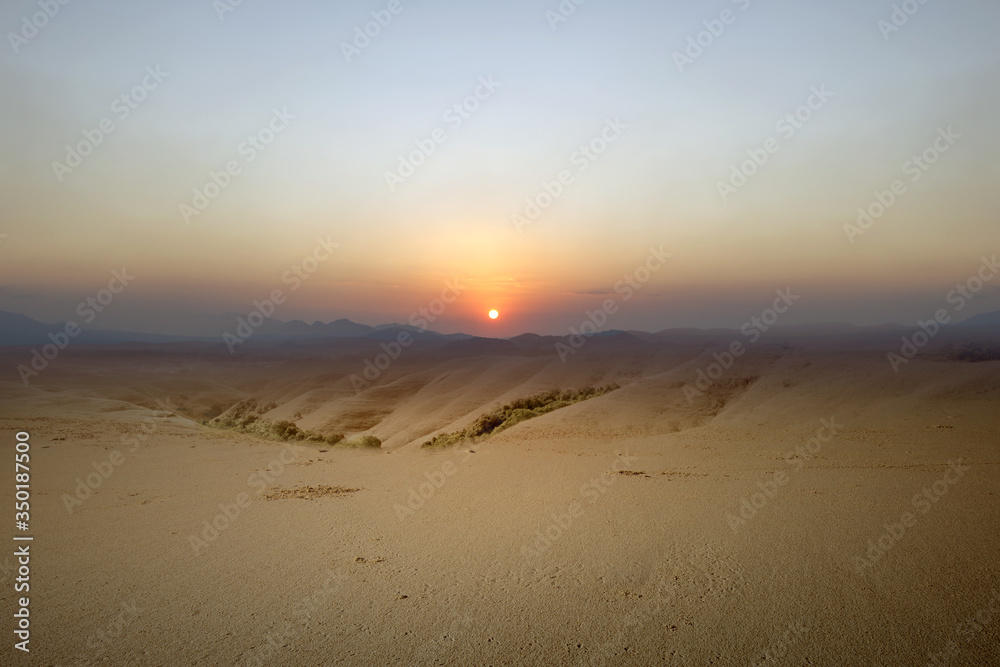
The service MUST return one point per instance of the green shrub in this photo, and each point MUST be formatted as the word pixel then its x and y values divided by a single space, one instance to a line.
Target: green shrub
pixel 285 430
pixel 246 416
pixel 364 442
pixel 518 411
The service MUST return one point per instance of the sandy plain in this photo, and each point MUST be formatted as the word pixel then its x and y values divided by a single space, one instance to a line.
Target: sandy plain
pixel 811 506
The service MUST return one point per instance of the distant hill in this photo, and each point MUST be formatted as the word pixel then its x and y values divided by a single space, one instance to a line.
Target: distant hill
pixel 21 330
pixel 983 319
pixel 16 329
pixel 392 331
pixel 337 329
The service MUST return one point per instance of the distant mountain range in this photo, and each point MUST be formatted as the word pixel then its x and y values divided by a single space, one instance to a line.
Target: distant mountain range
pixel 985 319
pixel 273 329
pixel 16 329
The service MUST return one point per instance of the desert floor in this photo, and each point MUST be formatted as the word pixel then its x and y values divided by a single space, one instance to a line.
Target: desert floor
pixel 634 528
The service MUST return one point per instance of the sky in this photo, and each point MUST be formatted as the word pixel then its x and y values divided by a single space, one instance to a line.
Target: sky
pixel 420 149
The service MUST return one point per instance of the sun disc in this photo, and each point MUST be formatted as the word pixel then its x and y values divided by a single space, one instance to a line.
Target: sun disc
pixel 494 314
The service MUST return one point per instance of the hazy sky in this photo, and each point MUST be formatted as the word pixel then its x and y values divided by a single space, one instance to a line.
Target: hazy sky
pixel 672 131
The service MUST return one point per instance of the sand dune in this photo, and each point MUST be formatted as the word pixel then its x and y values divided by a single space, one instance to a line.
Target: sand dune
pixel 649 525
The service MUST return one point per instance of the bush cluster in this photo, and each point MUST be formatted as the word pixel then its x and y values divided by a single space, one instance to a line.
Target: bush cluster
pixel 518 411
pixel 976 350
pixel 247 417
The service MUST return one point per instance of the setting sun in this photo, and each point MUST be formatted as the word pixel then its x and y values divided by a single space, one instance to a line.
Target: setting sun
pixel 494 314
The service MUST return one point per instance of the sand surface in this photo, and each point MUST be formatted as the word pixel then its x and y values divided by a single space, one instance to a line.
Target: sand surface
pixel 608 532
